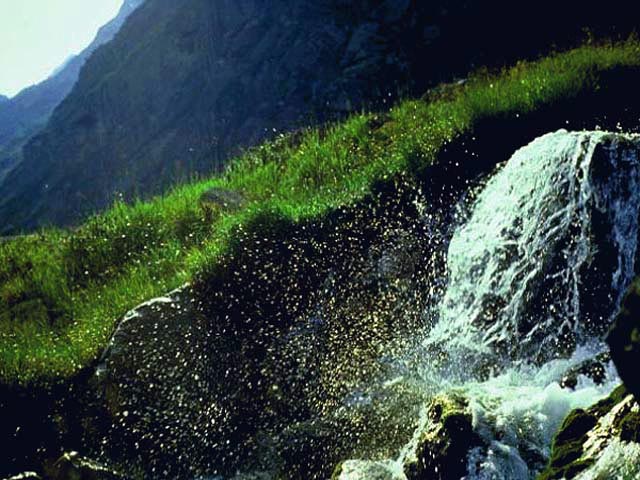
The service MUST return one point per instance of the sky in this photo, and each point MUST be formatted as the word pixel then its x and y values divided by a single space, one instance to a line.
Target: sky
pixel 37 36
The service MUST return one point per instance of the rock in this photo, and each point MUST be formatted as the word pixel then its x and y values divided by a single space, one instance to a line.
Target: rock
pixel 152 383
pixel 368 470
pixel 443 445
pixel 25 476
pixel 221 197
pixel 594 368
pixel 624 340
pixel 439 449
pixel 587 436
pixel 71 466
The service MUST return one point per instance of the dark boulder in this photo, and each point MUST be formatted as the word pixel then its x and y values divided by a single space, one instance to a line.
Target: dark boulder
pixel 624 340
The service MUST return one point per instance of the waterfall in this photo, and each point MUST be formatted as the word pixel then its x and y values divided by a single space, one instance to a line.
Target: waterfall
pixel 535 276
pixel 547 252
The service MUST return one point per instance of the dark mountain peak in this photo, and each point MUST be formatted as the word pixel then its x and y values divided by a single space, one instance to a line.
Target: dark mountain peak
pixel 185 85
pixel 24 115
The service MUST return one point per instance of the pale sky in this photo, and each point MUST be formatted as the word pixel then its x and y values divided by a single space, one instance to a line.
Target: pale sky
pixel 37 36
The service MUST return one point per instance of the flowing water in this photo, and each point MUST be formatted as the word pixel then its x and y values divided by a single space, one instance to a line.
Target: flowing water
pixel 536 268
pixel 536 274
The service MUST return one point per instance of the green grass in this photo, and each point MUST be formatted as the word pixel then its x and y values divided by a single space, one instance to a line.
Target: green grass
pixel 62 292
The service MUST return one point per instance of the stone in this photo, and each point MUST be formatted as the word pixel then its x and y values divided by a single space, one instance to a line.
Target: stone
pixel 368 470
pixel 624 340
pixel 25 476
pixel 223 199
pixel 72 466
pixel 594 368
pixel 442 445
pixel 587 435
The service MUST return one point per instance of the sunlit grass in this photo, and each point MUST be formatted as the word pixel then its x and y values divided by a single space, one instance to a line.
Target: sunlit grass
pixel 61 293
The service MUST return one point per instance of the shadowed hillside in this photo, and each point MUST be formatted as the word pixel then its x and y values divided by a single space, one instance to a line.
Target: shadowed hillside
pixel 27 113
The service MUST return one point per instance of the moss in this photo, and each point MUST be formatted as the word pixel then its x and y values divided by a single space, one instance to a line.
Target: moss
pixel 337 472
pixel 630 427
pixel 567 449
pixel 444 446
pixel 89 277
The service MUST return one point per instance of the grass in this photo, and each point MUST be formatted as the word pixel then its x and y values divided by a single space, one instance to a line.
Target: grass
pixel 62 292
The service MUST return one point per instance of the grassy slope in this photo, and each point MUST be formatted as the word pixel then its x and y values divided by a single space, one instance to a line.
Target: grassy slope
pixel 62 292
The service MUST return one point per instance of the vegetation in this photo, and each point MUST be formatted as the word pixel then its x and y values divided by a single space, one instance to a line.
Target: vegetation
pixel 567 449
pixel 61 292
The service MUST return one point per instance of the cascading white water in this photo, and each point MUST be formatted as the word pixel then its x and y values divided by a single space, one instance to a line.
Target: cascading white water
pixel 522 268
pixel 539 267
pixel 536 275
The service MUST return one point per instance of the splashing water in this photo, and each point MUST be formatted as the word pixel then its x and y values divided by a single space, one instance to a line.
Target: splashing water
pixel 536 275
pixel 559 217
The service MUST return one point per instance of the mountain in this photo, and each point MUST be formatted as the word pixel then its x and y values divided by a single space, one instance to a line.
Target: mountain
pixel 26 113
pixel 185 85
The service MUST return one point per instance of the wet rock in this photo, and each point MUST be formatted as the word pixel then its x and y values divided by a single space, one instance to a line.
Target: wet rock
pixel 587 436
pixel 624 340
pixel 594 368
pixel 151 384
pixel 439 449
pixel 25 476
pixel 443 445
pixel 368 470
pixel 72 466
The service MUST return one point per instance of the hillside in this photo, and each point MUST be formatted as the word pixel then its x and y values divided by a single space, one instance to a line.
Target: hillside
pixel 85 279
pixel 187 85
pixel 303 274
pixel 28 112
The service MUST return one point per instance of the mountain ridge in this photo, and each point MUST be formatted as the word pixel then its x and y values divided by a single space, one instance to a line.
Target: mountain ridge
pixel 24 114
pixel 183 88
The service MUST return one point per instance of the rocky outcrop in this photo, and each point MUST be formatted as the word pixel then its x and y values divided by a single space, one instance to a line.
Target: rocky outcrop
pixel 600 442
pixel 443 446
pixel 595 368
pixel 624 340
pixel 185 85
pixel 440 447
pixel 153 389
pixel 72 466
pixel 241 374
pixel 28 112
pixel 25 476
pixel 363 470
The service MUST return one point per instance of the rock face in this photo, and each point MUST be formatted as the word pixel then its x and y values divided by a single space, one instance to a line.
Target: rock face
pixel 443 446
pixel 440 447
pixel 624 340
pixel 71 466
pixel 600 442
pixel 362 470
pixel 244 375
pixel 184 85
pixel 152 383
pixel 25 114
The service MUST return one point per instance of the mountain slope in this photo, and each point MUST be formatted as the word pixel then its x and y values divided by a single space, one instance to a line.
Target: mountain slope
pixel 28 112
pixel 184 85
